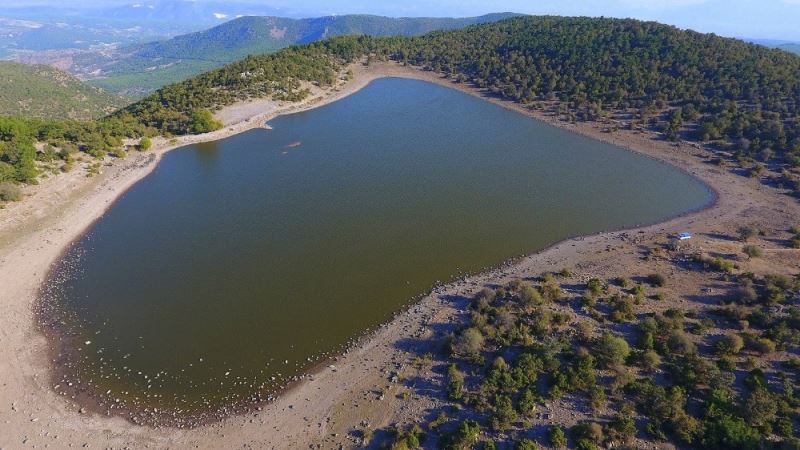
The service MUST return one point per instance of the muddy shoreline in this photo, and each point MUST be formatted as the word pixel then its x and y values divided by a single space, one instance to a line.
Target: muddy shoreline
pixel 38 414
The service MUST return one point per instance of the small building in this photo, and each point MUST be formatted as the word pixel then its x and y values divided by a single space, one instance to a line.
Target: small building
pixel 684 236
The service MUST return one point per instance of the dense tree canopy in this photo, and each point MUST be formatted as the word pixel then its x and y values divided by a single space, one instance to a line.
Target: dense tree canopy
pixel 742 97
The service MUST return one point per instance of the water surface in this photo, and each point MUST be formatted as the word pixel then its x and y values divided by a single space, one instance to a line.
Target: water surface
pixel 235 261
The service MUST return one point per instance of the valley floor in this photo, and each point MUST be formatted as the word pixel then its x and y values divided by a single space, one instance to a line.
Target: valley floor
pixel 382 381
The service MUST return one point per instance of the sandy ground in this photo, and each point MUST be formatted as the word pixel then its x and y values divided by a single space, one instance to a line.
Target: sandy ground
pixel 382 381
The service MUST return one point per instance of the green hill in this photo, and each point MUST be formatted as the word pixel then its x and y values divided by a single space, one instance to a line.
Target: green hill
pixel 739 97
pixel 138 69
pixel 42 91
pixel 720 89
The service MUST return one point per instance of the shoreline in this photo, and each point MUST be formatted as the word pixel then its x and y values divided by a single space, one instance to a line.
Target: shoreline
pixel 118 431
pixel 61 342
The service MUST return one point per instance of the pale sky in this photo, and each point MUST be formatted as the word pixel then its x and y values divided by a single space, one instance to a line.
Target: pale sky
pixel 770 19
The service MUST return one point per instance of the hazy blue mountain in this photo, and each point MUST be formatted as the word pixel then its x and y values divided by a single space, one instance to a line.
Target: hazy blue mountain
pixel 138 69
pixel 80 26
pixel 789 46
pixel 792 48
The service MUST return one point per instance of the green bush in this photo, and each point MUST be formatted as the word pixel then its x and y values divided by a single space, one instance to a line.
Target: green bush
pixel 764 346
pixel 527 402
pixel 748 232
pixel 468 343
pixel 525 444
pixel 656 279
pixel 557 437
pixel 588 431
pixel 752 251
pixel 504 412
pixel 10 192
pixel 144 144
pixel 463 437
pixel 622 427
pixel 595 287
pixel 203 122
pixel 611 351
pixel 650 361
pixel 731 344
pixel 455 383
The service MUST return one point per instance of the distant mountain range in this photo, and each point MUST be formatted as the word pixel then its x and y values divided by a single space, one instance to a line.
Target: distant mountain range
pixel 45 92
pixel 134 70
pixel 87 25
pixel 791 48
pixel 788 46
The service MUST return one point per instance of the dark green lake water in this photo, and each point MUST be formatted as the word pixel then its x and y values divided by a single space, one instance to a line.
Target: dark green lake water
pixel 235 256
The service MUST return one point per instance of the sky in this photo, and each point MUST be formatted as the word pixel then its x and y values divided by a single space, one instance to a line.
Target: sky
pixel 765 19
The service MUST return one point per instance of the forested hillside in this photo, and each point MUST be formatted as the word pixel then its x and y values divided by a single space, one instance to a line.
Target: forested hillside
pixel 142 68
pixel 743 96
pixel 41 91
pixel 740 97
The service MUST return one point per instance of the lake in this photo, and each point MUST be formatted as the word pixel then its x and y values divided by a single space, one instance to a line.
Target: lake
pixel 240 260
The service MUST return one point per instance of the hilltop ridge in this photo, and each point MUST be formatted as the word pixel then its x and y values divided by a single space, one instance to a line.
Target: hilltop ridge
pixel 141 68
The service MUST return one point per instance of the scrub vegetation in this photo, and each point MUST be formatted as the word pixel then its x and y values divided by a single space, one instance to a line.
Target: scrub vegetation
pixel 720 373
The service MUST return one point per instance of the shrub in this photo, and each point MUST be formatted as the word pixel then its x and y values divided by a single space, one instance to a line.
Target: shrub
pixel 747 232
pixel 483 299
pixel 760 408
pixel 763 345
pixel 622 308
pixel 715 264
pixel 557 437
pixel 144 144
pixel 597 396
pixel 679 342
pixel 410 439
pixel 755 380
pixel 530 296
pixel 10 192
pixel 585 444
pixel 746 293
pixel 455 383
pixel 731 344
pixel 468 343
pixel 589 431
pixel 729 432
pixel 527 402
pixel 650 361
pixel 203 122
pixel 622 427
pixel 463 437
pixel 504 412
pixel 595 287
pixel 784 427
pixel 726 363
pixel 525 444
pixel 611 350
pixel 752 251
pixel 551 290
pixel 656 279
